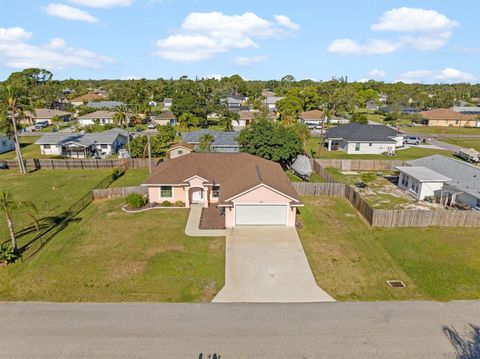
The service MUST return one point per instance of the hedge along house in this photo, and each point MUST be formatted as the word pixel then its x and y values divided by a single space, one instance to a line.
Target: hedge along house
pixel 249 190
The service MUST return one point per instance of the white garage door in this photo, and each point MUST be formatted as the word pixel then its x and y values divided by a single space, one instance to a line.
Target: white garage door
pixel 268 215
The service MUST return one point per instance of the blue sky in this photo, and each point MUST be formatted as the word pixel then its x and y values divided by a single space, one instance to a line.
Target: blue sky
pixel 423 40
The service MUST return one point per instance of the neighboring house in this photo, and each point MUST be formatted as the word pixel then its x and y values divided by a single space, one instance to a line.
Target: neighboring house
pixel 246 117
pixel 164 118
pixel 235 102
pixel 371 105
pixel 78 145
pixel 45 114
pixel 180 149
pixel 105 104
pixel 408 110
pixel 248 190
pixel 100 117
pixel 467 110
pixel 271 102
pixel 223 141
pixel 268 93
pixel 337 120
pixel 6 144
pixel 89 97
pixel 167 103
pixel 312 118
pixel 445 117
pixel 355 138
pixel 448 180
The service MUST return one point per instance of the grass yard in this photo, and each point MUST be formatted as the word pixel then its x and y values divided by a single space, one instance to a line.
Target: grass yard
pixel 132 177
pixel 441 130
pixel 109 255
pixel 464 142
pixel 406 154
pixel 314 177
pixel 52 192
pixel 352 261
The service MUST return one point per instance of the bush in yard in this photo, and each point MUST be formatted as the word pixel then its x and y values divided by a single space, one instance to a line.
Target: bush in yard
pixel 179 204
pixel 166 204
pixel 368 177
pixel 7 255
pixel 116 173
pixel 136 200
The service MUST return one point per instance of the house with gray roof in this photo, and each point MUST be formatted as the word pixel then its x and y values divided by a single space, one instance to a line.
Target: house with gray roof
pixel 105 104
pixel 354 138
pixel 449 181
pixel 82 145
pixel 100 117
pixel 223 141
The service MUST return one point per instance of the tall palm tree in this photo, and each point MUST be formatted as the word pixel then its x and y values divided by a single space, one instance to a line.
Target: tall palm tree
pixel 16 110
pixel 206 142
pixel 121 117
pixel 8 206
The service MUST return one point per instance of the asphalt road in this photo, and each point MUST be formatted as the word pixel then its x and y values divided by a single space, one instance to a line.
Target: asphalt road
pixel 315 330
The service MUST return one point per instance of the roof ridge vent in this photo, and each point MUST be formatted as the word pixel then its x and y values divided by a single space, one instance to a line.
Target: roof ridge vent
pixel 259 174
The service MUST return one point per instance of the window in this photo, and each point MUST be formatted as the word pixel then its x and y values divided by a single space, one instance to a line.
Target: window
pixel 405 180
pixel 166 192
pixel 215 191
pixel 104 146
pixel 46 147
pixel 370 144
pixel 414 187
pixel 4 143
pixel 357 147
pixel 180 152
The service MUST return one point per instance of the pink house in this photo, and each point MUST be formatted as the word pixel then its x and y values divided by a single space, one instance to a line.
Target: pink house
pixel 248 190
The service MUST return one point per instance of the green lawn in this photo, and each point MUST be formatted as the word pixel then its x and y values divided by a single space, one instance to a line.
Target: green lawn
pixel 406 154
pixel 352 261
pixel 52 192
pixel 441 130
pixel 132 177
pixel 464 142
pixel 109 255
pixel 314 177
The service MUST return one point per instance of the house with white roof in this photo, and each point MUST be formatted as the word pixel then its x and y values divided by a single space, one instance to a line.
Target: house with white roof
pixel 82 145
pixel 100 117
pixel 448 180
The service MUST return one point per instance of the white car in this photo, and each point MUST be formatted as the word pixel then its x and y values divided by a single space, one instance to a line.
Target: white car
pixel 412 140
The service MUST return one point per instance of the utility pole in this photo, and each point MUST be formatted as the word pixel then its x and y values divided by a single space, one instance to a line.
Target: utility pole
pixel 149 148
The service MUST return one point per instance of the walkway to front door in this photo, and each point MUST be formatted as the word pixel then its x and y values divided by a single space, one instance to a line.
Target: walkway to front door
pixel 268 264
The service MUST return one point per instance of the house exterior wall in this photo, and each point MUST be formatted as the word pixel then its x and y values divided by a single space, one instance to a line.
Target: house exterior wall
pixel 154 196
pixel 258 196
pixel 425 189
pixel 6 145
pixel 468 199
pixel 453 123
pixel 91 121
pixel 177 152
pixel 53 150
pixel 371 148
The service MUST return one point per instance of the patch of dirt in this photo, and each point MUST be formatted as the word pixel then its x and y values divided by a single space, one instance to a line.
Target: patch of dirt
pixel 123 270
pixel 154 250
pixel 209 292
pixel 216 245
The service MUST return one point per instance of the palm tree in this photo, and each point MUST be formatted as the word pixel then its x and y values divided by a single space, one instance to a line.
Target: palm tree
pixel 8 206
pixel 122 118
pixel 56 121
pixel 16 110
pixel 206 142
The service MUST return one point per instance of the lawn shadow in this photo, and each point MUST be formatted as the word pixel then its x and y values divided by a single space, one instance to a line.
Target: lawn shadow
pixel 466 346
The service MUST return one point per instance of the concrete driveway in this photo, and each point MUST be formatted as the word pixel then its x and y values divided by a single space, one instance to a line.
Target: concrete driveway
pixel 268 264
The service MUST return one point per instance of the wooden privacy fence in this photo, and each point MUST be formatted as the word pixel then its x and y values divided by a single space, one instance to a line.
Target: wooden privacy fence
pixel 360 165
pixel 120 192
pixel 85 164
pixel 320 189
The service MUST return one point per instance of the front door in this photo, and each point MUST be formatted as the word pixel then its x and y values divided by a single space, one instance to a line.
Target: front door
pixel 197 196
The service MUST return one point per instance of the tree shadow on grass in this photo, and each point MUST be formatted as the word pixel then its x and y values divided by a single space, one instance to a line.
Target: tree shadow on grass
pixel 466 346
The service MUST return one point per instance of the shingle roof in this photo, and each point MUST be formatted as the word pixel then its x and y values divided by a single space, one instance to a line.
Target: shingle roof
pixel 182 144
pixel 87 97
pixel 423 174
pixel 165 115
pixel 445 114
pixel 467 110
pixel 97 114
pixel 220 138
pixel 312 115
pixel 86 139
pixel 463 176
pixel 46 113
pixel 233 172
pixel 247 115
pixel 364 133
pixel 105 104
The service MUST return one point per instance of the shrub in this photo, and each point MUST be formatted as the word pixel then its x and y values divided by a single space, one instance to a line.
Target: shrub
pixel 116 173
pixel 179 204
pixel 166 204
pixel 7 255
pixel 136 200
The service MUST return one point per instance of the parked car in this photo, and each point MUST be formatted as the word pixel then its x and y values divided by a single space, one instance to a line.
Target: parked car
pixel 412 140
pixel 3 165
pixel 152 125
pixel 41 124
pixel 469 155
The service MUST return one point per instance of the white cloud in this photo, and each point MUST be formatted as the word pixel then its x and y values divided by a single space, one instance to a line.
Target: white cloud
pixel 420 29
pixel 406 19
pixel 247 61
pixel 349 46
pixel 69 12
pixel 377 74
pixel 448 74
pixel 102 3
pixel 16 52
pixel 286 22
pixel 205 35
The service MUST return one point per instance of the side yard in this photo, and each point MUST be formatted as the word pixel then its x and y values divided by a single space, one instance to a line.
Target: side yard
pixel 352 261
pixel 464 142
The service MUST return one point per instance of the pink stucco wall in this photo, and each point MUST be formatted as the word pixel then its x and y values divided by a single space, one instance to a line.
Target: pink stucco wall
pixel 154 195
